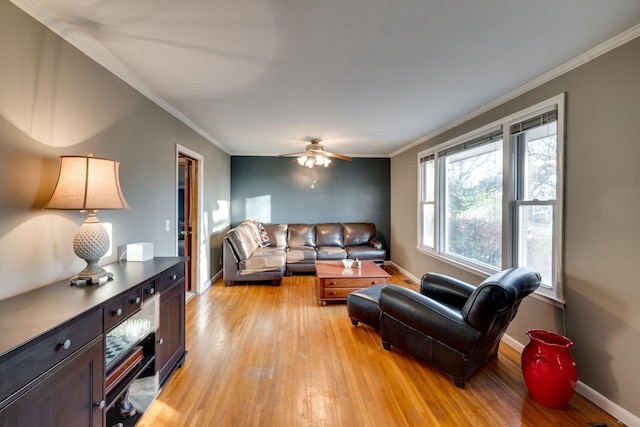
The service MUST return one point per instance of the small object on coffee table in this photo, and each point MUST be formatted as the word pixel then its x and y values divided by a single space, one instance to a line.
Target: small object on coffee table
pixel 347 262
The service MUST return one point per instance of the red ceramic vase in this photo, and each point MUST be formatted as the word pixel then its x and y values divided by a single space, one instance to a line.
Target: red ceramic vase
pixel 549 371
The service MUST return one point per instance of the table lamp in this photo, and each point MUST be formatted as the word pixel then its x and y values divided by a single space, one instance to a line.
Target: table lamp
pixel 89 184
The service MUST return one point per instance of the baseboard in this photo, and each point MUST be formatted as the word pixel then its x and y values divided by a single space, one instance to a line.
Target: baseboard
pixel 588 393
pixel 403 271
pixel 211 281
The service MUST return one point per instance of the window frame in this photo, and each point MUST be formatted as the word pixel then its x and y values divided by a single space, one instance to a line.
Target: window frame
pixel 510 203
pixel 422 202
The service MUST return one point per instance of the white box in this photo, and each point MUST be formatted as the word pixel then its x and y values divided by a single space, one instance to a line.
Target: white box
pixel 139 251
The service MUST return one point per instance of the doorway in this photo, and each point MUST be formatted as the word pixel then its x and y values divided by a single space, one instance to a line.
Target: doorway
pixel 188 213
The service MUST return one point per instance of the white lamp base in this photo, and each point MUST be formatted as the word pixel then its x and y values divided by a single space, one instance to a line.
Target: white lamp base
pixel 91 243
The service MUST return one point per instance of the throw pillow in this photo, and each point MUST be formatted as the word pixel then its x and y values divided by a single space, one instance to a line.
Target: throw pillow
pixel 262 237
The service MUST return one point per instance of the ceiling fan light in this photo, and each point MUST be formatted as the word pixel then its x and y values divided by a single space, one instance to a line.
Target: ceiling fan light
pixel 326 162
pixel 302 160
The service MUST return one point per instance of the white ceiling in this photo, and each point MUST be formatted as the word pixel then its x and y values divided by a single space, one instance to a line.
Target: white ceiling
pixel 368 77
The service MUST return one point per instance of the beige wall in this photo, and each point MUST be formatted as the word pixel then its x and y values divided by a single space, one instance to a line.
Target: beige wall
pixel 602 221
pixel 56 101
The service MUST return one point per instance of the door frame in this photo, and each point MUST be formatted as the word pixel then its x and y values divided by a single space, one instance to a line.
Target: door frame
pixel 197 237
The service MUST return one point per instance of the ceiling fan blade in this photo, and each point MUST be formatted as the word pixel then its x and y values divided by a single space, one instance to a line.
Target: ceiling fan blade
pixel 292 154
pixel 338 156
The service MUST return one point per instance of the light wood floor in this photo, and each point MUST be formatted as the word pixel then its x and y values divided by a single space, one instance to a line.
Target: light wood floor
pixel 272 356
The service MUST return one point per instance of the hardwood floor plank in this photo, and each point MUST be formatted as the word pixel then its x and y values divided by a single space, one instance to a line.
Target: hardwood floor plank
pixel 261 355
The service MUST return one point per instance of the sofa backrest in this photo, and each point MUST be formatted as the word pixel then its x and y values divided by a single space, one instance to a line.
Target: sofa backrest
pixel 329 234
pixel 277 234
pixel 301 235
pixel 358 233
pixel 243 242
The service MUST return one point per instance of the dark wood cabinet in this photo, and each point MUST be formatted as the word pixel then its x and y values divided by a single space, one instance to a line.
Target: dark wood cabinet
pixel 170 335
pixel 53 343
pixel 71 395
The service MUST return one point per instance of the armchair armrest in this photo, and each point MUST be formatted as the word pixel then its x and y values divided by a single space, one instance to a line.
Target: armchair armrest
pixel 445 289
pixel 375 243
pixel 432 318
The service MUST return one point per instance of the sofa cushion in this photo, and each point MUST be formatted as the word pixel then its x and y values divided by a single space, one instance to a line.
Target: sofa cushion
pixel 264 259
pixel 301 235
pixel 301 254
pixel 277 234
pixel 358 233
pixel 249 232
pixel 331 252
pixel 365 252
pixel 329 235
pixel 260 233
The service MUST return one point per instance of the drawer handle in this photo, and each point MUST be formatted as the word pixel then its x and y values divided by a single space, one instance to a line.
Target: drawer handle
pixel 117 312
pixel 174 277
pixel 100 404
pixel 151 291
pixel 136 301
pixel 65 345
pixel 161 341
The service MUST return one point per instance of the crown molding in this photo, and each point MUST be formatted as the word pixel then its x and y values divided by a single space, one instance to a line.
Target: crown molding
pixel 576 62
pixel 110 63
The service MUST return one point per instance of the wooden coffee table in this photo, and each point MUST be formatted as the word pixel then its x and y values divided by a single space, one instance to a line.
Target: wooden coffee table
pixel 334 282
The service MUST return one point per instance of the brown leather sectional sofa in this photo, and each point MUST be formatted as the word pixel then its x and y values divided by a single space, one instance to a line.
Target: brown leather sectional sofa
pixel 295 248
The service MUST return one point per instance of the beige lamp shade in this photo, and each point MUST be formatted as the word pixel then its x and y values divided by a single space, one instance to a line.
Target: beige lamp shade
pixel 87 183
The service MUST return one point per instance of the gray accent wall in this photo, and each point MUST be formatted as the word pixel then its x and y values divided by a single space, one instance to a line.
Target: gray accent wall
pixel 55 101
pixel 602 221
pixel 356 191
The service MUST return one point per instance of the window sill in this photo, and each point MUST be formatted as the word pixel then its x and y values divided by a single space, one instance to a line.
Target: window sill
pixel 544 297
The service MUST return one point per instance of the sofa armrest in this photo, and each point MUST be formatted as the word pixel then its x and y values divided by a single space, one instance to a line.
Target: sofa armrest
pixel 445 289
pixel 230 262
pixel 375 243
pixel 428 316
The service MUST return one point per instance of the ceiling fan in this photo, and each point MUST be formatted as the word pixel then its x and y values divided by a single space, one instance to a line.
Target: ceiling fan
pixel 314 155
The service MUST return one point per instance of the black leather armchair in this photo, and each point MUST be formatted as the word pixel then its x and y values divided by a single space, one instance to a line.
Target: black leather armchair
pixel 450 324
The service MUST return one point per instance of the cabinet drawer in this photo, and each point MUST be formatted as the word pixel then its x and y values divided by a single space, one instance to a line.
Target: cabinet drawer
pixel 337 293
pixel 148 289
pixel 114 313
pixel 353 283
pixel 28 362
pixel 167 279
pixel 133 301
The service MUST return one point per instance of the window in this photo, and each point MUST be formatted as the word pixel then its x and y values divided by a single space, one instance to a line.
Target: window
pixel 491 199
pixel 471 205
pixel 427 201
pixel 534 210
